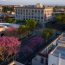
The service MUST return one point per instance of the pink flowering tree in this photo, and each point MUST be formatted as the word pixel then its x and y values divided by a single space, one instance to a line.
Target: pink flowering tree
pixel 9 46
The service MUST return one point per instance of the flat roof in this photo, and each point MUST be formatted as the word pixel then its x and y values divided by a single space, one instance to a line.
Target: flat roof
pixel 60 50
pixel 30 7
pixel 9 24
pixel 61 39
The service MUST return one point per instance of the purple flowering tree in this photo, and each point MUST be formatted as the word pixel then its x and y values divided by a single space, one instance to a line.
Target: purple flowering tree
pixel 32 44
pixel 36 41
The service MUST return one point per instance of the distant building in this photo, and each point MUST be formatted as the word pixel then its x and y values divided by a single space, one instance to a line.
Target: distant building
pixel 48 11
pixel 39 5
pixel 36 12
pixel 59 10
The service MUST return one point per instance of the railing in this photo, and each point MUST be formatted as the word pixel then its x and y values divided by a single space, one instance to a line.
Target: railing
pixel 52 45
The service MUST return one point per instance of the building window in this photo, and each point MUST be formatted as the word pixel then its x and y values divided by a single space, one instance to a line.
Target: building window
pixel 41 17
pixel 32 10
pixel 38 11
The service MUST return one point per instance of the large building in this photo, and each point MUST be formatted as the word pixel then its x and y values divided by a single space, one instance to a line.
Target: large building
pixel 37 12
pixel 1 9
pixel 57 56
pixel 30 12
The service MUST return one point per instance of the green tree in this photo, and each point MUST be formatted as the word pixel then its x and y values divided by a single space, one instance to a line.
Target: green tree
pixel 31 24
pixel 21 21
pixel 47 33
pixel 7 8
pixel 10 20
pixel 60 18
pixel 23 30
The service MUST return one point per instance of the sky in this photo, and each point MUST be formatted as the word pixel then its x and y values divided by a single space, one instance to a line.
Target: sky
pixel 29 2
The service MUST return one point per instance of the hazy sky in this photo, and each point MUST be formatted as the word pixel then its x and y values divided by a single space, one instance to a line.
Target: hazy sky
pixel 25 2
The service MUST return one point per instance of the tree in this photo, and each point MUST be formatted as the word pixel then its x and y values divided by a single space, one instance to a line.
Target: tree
pixel 10 20
pixel 9 46
pixel 7 8
pixel 23 30
pixel 47 33
pixel 33 44
pixel 31 24
pixel 60 18
pixel 21 21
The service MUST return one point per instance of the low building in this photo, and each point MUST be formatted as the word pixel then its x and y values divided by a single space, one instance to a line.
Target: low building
pixel 6 28
pixel 59 10
pixel 58 54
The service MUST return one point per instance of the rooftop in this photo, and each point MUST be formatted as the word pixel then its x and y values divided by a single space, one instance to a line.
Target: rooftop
pixel 9 25
pixel 37 6
pixel 61 39
pixel 59 51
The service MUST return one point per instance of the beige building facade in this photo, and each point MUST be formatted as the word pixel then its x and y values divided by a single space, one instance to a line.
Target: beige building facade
pixel 36 12
pixel 48 11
